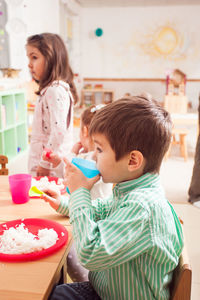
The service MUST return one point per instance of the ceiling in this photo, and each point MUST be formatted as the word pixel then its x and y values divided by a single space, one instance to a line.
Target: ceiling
pixel 124 3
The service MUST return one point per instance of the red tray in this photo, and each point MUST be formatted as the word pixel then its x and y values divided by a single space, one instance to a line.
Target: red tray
pixel 33 226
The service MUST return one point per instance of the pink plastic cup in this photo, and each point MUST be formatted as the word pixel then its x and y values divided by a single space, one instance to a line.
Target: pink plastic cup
pixel 19 187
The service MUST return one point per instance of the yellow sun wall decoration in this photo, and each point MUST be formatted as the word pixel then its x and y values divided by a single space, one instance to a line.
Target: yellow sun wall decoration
pixel 165 41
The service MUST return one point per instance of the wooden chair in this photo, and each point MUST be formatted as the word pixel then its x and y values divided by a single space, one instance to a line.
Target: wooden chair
pixel 182 279
pixel 3 162
pixel 177 104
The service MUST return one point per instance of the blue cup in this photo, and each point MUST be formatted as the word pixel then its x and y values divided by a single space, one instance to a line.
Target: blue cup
pixel 87 167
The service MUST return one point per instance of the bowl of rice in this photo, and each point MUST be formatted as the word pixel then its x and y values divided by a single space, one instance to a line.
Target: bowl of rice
pixel 30 239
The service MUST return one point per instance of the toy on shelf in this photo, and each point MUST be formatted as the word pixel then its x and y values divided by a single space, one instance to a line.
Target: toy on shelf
pixel 176 83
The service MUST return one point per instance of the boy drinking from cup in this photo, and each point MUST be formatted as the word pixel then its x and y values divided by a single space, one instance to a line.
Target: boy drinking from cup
pixel 132 240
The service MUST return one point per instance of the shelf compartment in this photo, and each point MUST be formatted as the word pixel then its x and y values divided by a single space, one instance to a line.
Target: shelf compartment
pixel 20 107
pixel 9 104
pixel 89 98
pixel 10 145
pixel 98 98
pixel 13 122
pixel 108 97
pixel 22 138
pixel 1 143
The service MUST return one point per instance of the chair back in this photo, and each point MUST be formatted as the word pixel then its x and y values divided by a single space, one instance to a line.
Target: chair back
pixel 182 279
pixel 3 162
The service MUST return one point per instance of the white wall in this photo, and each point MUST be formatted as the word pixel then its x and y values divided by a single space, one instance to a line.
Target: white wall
pixel 127 48
pixel 132 36
pixel 42 16
pixel 26 18
pixel 37 16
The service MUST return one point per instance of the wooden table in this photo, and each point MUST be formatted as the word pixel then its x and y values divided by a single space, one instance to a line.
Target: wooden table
pixel 185 119
pixel 31 280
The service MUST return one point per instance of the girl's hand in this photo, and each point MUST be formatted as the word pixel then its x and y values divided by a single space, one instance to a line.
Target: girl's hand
pixel 52 197
pixel 74 178
pixel 76 148
pixel 42 171
pixel 51 157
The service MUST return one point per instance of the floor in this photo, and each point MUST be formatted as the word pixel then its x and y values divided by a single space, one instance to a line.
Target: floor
pixel 175 175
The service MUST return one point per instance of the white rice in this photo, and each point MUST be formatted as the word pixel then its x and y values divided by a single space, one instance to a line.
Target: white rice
pixel 44 184
pixel 19 240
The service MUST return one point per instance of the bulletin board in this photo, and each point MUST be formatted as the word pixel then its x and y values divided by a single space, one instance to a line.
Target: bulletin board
pixel 4 43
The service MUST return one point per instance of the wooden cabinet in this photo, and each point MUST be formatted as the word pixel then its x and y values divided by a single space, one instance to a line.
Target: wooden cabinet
pixel 96 96
pixel 13 123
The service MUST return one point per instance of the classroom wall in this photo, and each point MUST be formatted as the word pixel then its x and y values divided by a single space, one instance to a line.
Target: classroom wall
pixel 137 42
pixel 25 18
pixel 141 42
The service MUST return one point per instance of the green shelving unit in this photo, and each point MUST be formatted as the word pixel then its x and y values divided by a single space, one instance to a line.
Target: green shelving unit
pixel 13 123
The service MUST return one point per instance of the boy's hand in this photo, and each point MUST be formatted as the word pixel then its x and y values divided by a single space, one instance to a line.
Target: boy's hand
pixel 52 197
pixel 51 157
pixel 76 148
pixel 42 171
pixel 74 178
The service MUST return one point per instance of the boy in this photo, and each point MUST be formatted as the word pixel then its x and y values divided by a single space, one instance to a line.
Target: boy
pixel 131 241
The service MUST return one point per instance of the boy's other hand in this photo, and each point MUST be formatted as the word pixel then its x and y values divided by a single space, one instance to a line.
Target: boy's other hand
pixel 74 178
pixel 52 197
pixel 51 157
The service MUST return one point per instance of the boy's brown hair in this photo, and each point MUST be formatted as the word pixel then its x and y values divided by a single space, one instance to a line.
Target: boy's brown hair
pixel 57 65
pixel 135 123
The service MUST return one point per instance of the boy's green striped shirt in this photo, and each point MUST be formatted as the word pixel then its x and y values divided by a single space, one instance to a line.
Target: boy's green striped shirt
pixel 131 241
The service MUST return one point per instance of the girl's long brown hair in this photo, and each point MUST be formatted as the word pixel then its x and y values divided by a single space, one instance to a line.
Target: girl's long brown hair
pixel 57 65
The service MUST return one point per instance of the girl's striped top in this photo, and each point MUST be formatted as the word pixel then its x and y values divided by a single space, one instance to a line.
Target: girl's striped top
pixel 130 242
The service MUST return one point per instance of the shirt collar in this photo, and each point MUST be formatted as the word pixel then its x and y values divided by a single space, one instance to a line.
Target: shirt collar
pixel 146 180
pixel 55 83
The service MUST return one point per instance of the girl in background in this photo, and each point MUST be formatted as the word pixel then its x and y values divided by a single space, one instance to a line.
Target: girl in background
pixel 52 126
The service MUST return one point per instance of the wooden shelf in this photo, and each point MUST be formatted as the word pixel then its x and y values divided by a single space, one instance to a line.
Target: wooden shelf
pixel 96 96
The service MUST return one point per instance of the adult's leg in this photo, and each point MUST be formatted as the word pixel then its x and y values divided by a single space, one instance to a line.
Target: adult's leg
pixel 194 189
pixel 74 291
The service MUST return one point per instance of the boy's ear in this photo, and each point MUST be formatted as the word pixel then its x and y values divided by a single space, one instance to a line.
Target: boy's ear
pixel 136 160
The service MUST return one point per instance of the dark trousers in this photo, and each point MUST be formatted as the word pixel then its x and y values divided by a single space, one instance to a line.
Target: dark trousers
pixel 74 291
pixel 194 189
